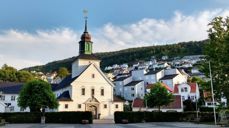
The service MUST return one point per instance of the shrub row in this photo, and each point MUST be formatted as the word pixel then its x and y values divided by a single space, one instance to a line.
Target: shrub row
pixel 137 117
pixel 206 109
pixel 51 117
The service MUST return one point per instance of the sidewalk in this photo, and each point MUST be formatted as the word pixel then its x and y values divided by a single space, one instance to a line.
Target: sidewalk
pixel 103 121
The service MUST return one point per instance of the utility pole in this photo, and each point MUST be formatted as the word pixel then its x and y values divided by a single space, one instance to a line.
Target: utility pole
pixel 213 99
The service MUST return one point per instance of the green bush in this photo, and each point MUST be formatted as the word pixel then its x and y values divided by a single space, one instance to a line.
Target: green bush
pixel 51 117
pixel 132 117
pixel 21 117
pixel 136 117
pixel 68 117
pixel 206 109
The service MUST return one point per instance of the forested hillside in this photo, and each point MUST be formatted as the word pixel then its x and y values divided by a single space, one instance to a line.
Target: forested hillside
pixel 132 55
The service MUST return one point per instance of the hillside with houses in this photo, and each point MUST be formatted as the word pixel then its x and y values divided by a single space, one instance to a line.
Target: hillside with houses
pixel 131 55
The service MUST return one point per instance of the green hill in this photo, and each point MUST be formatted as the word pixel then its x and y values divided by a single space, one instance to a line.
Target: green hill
pixel 132 55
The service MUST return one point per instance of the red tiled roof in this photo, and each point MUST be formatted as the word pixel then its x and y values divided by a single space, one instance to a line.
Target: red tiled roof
pixel 149 86
pixel 176 88
pixel 176 104
pixel 207 94
pixel 138 102
pixel 193 87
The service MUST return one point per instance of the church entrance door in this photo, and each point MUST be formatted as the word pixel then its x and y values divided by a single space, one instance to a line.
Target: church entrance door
pixel 94 111
pixel 92 104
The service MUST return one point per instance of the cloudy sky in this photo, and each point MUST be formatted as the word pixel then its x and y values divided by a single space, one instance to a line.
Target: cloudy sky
pixel 37 32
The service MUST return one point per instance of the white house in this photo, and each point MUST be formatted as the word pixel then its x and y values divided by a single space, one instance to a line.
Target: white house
pixel 8 97
pixel 173 76
pixel 119 84
pixel 153 76
pixel 134 89
pixel 138 74
pixel 187 90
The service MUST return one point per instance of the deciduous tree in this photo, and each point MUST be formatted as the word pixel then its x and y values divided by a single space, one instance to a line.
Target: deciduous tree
pixel 158 96
pixel 37 95
pixel 63 72
pixel 217 51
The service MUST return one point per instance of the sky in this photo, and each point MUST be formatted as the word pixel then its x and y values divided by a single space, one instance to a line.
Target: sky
pixel 41 31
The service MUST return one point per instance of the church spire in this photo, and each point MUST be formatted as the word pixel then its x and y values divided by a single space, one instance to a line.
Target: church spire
pixel 85 43
pixel 85 17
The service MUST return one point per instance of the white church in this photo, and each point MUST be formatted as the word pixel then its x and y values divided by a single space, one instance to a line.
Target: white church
pixel 86 89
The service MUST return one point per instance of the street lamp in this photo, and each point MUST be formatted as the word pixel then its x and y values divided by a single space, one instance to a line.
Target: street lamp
pixel 213 99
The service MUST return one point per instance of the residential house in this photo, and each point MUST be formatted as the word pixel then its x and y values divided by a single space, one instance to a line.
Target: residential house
pixel 134 89
pixel 187 90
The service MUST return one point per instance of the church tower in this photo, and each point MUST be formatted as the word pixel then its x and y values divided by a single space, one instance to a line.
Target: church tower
pixel 86 56
pixel 85 45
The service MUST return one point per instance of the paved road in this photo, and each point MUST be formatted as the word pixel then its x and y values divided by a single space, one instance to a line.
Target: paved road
pixel 137 125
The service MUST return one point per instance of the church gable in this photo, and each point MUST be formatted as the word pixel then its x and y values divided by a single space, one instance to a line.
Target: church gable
pixel 92 75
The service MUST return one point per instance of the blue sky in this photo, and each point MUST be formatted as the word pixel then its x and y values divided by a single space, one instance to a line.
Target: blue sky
pixel 37 32
pixel 47 14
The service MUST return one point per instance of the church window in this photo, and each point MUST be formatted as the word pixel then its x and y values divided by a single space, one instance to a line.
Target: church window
pixel 92 91
pixel 132 88
pixel 92 75
pixel 102 92
pixel 66 106
pixel 83 91
pixel 105 106
pixel 116 106
pixel 79 105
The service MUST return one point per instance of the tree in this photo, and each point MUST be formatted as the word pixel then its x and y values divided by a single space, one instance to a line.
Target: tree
pixel 24 76
pixel 10 74
pixel 158 96
pixel 36 95
pixel 217 53
pixel 63 72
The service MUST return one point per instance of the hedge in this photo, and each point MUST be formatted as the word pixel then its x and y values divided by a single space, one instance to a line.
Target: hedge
pixel 51 117
pixel 136 117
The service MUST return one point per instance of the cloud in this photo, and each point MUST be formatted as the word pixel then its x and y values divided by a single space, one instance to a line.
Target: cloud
pixel 22 48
